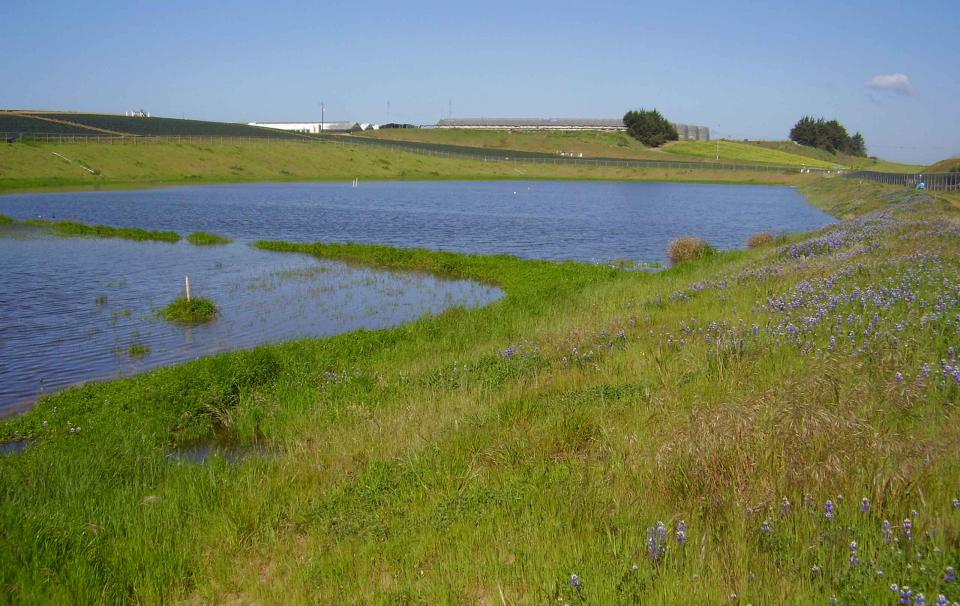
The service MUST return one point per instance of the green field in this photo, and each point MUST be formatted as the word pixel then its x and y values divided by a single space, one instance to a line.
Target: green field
pixel 486 456
pixel 732 151
pixel 33 166
pixel 853 162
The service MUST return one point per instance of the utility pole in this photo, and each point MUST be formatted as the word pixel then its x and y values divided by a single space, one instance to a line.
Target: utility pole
pixel 323 107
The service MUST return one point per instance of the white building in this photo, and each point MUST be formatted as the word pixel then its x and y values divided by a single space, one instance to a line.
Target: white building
pixel 315 127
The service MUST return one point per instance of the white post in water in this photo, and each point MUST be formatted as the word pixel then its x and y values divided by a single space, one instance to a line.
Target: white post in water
pixel 186 281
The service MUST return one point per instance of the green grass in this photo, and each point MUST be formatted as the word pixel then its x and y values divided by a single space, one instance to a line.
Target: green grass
pixel 75 229
pixel 33 167
pixel 852 162
pixel 5 220
pixel 202 238
pixel 484 456
pixel 732 151
pixel 195 310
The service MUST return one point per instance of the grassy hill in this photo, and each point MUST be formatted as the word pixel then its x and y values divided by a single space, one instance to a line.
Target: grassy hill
pixel 853 162
pixel 34 166
pixel 94 124
pixel 950 165
pixel 592 144
pixel 732 151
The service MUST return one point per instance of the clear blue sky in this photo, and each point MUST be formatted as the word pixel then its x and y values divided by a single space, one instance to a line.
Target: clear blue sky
pixel 746 69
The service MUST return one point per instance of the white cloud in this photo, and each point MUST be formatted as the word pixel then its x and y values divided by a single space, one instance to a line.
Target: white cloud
pixel 895 83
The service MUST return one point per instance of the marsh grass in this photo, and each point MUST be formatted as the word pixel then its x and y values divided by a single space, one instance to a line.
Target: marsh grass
pixel 202 238
pixel 486 456
pixel 688 248
pixel 82 230
pixel 196 310
pixel 5 220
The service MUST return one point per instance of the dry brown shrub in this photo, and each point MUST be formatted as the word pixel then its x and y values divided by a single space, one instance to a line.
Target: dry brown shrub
pixel 688 248
pixel 761 238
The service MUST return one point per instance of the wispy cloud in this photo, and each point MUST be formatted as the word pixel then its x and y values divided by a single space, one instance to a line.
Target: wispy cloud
pixel 894 83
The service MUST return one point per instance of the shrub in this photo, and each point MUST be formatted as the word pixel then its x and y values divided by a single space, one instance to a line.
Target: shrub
pixel 195 311
pixel 649 127
pixel 761 238
pixel 688 248
pixel 202 238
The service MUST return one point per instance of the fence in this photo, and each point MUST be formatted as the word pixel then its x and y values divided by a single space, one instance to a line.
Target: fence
pixel 932 181
pixel 435 150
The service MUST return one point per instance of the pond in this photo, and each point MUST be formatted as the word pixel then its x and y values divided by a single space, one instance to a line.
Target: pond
pixel 585 221
pixel 74 309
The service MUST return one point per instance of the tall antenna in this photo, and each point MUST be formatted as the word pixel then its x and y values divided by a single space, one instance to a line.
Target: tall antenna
pixel 388 110
pixel 450 108
pixel 323 107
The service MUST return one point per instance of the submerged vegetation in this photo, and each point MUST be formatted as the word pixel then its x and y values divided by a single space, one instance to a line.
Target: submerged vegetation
pixel 202 238
pixel 773 425
pixel 82 230
pixel 196 310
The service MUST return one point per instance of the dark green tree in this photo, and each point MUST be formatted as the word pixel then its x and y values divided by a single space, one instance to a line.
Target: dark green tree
pixel 857 146
pixel 649 127
pixel 830 136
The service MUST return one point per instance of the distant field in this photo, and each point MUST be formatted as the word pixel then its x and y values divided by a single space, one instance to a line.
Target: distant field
pixel 731 151
pixel 12 123
pixel 592 144
pixel 164 126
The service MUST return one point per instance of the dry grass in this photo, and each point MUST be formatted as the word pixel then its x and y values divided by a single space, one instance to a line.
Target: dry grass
pixel 762 238
pixel 688 248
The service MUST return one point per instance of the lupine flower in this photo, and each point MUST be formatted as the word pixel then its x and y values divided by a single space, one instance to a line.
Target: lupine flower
pixel 766 528
pixel 887 531
pixel 925 371
pixel 829 510
pixel 950 576
pixel 854 558
pixel 575 581
pixel 908 529
pixel 956 503
pixel 894 588
pixel 509 352
pixel 906 595
pixel 920 600
pixel 942 601
pixel 814 569
pixel 899 377
pixel 865 505
pixel 681 532
pixel 784 506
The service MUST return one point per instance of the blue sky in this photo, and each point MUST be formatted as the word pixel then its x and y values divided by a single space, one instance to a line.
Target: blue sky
pixel 745 69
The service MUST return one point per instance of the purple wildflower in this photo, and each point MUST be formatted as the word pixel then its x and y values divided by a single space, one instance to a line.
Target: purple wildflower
pixel 509 352
pixel 920 600
pixel 899 377
pixel 887 531
pixel 925 371
pixel 854 557
pixel 865 505
pixel 575 581
pixel 950 576
pixel 681 532
pixel 784 506
pixel 906 595
pixel 908 529
pixel 829 510
pixel 766 528
pixel 942 601
pixel 814 569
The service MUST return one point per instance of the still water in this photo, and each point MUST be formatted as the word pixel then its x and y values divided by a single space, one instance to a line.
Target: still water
pixel 75 309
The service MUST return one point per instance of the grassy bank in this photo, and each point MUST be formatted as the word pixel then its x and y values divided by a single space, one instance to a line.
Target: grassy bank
pixel 733 151
pixel 487 456
pixel 75 229
pixel 34 167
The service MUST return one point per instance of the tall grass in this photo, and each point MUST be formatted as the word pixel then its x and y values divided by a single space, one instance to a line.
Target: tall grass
pixel 688 248
pixel 202 238
pixel 487 456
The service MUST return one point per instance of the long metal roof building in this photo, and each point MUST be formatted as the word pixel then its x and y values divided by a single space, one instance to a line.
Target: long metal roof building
pixel 686 131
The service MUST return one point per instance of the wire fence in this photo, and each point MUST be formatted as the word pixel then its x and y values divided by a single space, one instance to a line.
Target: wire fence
pixel 931 181
pixel 435 150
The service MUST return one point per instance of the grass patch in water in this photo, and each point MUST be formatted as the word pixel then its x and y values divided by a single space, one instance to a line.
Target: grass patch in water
pixel 197 310
pixel 5 220
pixel 75 229
pixel 202 238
